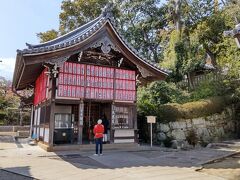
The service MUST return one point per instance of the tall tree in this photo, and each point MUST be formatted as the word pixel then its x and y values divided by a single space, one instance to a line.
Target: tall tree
pixel 78 12
pixel 141 22
pixel 48 35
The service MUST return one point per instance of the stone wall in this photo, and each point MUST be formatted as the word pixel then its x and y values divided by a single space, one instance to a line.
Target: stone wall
pixel 14 128
pixel 208 129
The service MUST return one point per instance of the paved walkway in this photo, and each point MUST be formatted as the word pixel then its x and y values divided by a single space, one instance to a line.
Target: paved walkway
pixel 142 164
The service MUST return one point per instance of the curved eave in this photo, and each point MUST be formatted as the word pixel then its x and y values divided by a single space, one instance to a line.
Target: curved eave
pixel 17 71
pixel 135 53
pixel 39 55
pixel 66 36
pixel 87 36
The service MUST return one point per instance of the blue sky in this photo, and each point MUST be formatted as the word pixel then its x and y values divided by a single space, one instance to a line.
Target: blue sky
pixel 20 20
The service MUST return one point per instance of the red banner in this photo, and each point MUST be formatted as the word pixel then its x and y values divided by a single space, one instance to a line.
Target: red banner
pixel 40 90
pixel 96 82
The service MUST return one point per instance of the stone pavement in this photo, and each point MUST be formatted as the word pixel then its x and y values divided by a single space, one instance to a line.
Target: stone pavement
pixel 144 163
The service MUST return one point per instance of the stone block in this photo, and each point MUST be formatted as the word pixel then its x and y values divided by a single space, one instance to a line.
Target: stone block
pixel 189 123
pixel 174 144
pixel 217 117
pixel 169 134
pixel 197 121
pixel 164 127
pixel 210 123
pixel 208 118
pixel 229 112
pixel 6 128
pixel 178 134
pixel 204 134
pixel 220 132
pixel 230 126
pixel 23 133
pixel 161 136
pixel 178 125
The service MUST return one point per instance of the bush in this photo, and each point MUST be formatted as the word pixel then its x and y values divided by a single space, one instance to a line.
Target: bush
pixel 174 111
pixel 192 137
pixel 3 115
pixel 12 117
pixel 158 93
pixel 168 142
pixel 162 92
pixel 211 88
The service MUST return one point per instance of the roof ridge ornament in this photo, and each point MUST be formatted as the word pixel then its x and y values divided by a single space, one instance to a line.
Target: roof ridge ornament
pixel 107 11
pixel 29 46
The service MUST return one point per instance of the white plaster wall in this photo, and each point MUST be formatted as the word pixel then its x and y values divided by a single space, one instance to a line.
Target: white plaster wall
pixel 46 135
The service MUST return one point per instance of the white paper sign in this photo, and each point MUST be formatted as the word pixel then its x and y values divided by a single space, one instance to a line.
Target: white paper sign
pixel 151 119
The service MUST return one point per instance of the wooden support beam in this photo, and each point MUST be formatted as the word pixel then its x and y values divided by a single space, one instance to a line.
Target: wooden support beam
pixel 31 125
pixel 112 122
pixel 80 121
pixel 52 112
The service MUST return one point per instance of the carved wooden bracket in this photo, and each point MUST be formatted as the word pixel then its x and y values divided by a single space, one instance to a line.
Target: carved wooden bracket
pixel 106 45
pixel 58 61
pixel 145 73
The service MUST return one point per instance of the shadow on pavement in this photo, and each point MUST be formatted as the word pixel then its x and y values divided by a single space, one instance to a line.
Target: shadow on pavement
pixel 231 162
pixel 16 173
pixel 123 159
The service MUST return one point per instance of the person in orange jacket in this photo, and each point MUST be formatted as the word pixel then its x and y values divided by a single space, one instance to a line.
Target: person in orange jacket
pixel 98 131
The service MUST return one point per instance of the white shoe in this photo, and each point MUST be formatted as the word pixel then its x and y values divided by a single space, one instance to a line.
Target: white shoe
pixel 101 154
pixel 95 154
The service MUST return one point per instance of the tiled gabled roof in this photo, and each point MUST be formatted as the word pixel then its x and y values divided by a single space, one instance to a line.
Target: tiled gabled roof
pixel 82 33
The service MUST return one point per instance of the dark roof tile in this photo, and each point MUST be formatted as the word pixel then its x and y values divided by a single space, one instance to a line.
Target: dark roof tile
pixel 80 34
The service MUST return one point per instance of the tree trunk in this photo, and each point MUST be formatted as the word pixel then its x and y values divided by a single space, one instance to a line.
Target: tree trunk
pixel 190 77
pixel 177 14
pixel 212 56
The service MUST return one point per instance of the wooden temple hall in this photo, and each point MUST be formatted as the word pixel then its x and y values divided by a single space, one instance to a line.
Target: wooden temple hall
pixel 80 77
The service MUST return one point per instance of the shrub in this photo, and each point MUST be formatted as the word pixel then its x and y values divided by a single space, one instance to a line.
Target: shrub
pixel 162 92
pixel 206 107
pixel 3 115
pixel 211 88
pixel 168 142
pixel 12 117
pixel 192 137
pixel 158 93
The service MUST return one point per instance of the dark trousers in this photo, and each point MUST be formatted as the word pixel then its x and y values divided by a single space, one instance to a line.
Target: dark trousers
pixel 99 143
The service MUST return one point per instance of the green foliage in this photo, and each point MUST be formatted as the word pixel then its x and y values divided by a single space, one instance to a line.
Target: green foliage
pixel 3 103
pixel 142 22
pixel 201 108
pixel 3 115
pixel 8 100
pixel 158 93
pixel 78 12
pixel 168 103
pixel 210 88
pixel 162 92
pixel 12 117
pixel 47 36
